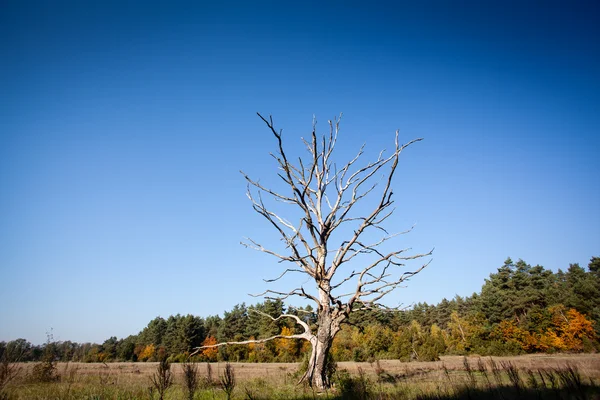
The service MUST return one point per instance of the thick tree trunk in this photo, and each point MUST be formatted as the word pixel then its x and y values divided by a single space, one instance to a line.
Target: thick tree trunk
pixel 316 373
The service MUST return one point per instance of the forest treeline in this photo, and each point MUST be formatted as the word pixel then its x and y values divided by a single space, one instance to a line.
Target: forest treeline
pixel 520 309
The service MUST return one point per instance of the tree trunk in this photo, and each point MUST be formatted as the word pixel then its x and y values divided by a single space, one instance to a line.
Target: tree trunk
pixel 316 373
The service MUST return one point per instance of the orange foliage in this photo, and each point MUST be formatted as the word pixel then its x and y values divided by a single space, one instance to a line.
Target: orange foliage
pixel 511 333
pixel 567 332
pixel 251 346
pixel 572 327
pixel 211 352
pixel 252 357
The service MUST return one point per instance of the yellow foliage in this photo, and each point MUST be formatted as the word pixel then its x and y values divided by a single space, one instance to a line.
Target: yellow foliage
pixel 285 331
pixel 343 343
pixel 286 348
pixel 147 353
pixel 550 340
pixel 463 330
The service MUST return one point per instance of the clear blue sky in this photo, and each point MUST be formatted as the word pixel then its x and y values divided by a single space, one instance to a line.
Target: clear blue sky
pixel 123 127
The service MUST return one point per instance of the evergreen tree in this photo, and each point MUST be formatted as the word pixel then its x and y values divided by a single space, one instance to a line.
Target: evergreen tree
pixel 125 348
pixel 154 332
pixel 233 323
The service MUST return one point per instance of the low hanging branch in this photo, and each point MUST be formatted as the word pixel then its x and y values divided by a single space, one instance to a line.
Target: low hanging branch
pixel 324 198
pixel 306 335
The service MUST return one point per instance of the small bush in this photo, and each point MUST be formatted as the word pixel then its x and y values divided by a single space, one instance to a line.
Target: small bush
pixel 45 372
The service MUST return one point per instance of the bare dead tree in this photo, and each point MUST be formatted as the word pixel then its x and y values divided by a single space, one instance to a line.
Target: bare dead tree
pixel 325 198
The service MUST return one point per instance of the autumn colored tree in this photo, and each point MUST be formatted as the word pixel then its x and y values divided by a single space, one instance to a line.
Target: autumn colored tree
pixel 463 331
pixel 147 353
pixel 287 349
pixel 572 328
pixel 208 352
pixel 567 332
pixel 375 341
pixel 343 345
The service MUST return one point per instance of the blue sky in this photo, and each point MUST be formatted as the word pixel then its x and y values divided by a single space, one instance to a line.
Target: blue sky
pixel 124 125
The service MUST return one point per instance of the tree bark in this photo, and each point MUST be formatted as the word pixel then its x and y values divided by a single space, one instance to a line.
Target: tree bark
pixel 316 372
pixel 328 325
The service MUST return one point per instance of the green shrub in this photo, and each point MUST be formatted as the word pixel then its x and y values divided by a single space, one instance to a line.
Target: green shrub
pixel 497 348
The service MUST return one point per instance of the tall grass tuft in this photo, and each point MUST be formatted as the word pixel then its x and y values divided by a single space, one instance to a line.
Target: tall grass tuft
pixel 532 381
pixel 209 380
pixel 228 380
pixel 570 379
pixel 496 372
pixel 69 376
pixel 162 378
pixel 552 379
pixel 8 371
pixel 513 375
pixel 482 368
pixel 191 378
pixel 470 373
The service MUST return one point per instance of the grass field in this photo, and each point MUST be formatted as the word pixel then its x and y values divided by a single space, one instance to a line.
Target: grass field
pixel 532 376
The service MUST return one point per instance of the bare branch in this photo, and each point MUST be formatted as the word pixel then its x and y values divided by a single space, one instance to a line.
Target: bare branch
pixel 283 274
pixel 300 292
pixel 378 287
pixel 306 335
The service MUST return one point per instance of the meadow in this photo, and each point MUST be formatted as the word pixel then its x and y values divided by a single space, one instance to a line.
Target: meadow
pixel 573 376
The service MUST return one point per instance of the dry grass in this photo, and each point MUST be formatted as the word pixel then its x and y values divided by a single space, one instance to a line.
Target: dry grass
pixel 587 364
pixel 445 379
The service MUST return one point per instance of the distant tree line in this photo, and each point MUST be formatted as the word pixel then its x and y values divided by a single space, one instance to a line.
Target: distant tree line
pixel 520 309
